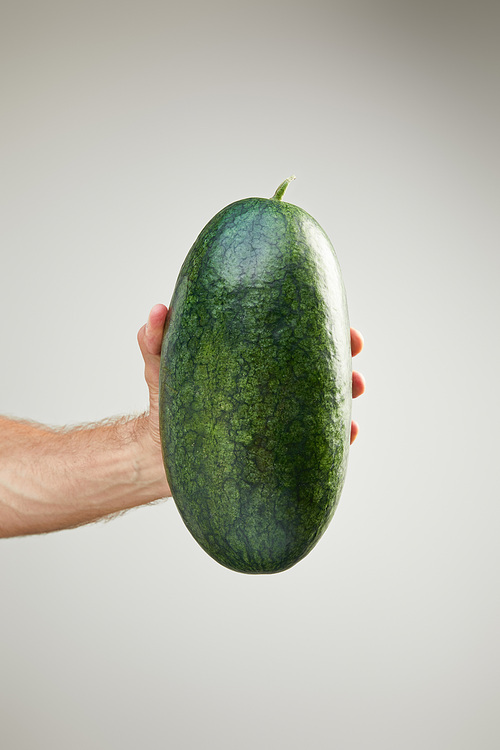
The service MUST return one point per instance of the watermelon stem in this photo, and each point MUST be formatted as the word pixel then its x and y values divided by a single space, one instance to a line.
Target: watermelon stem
pixel 281 190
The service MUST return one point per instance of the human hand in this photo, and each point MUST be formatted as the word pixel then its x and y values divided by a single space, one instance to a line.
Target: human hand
pixel 358 381
pixel 150 338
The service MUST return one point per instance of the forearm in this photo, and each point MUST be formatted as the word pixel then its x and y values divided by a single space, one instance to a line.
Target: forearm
pixel 56 479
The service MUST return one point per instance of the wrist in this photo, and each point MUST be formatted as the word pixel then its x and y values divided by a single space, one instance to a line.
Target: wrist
pixel 150 478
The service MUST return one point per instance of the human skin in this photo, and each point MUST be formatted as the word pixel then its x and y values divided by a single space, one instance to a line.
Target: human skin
pixel 53 479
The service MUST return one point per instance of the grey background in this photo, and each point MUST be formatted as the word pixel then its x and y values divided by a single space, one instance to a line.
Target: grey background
pixel 125 127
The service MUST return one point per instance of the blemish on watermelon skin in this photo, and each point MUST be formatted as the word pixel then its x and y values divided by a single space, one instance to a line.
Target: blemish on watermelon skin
pixel 255 386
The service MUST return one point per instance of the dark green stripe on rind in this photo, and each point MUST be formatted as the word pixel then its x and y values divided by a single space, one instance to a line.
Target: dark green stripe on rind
pixel 255 386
